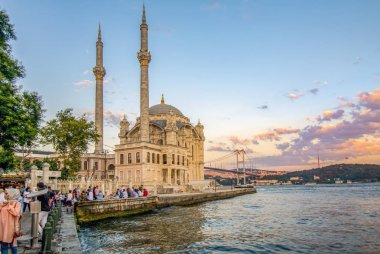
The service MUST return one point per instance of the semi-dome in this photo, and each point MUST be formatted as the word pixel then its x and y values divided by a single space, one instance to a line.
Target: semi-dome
pixel 162 109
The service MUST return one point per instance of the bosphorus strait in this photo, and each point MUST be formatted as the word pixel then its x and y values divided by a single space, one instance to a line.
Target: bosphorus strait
pixel 292 219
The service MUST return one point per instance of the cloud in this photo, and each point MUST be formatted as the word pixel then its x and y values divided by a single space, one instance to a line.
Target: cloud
pixel 346 105
pixel 370 100
pixel 267 136
pixel 314 91
pixel 284 131
pixel 294 96
pixel 86 72
pixel 282 146
pixel 320 82
pixel 330 115
pixel 263 107
pixel 359 136
pixel 273 135
pixel 236 141
pixel 219 149
pixel 84 83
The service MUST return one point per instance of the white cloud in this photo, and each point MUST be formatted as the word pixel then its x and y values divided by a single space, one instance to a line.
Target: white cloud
pixel 84 83
pixel 294 96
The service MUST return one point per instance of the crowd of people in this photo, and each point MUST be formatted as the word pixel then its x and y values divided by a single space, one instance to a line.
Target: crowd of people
pixel 15 200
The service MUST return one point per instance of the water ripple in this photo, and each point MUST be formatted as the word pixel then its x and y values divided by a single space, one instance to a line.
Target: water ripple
pixel 278 219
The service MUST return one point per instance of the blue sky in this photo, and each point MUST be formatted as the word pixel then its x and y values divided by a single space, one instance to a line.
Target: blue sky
pixel 243 68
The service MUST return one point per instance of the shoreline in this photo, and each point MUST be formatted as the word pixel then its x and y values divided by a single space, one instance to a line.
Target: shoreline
pixel 91 211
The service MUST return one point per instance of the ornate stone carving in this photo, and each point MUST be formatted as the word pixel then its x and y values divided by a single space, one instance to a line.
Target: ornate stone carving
pixel 99 72
pixel 144 57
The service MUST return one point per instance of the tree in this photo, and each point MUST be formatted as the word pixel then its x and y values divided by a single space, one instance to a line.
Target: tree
pixel 70 137
pixel 20 112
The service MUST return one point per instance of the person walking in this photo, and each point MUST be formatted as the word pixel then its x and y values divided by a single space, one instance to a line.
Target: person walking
pixel 26 199
pixel 9 221
pixel 45 208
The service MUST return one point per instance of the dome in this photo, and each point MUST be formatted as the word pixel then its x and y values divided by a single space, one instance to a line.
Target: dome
pixel 162 109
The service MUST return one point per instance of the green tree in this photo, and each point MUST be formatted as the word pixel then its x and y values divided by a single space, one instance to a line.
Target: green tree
pixel 70 137
pixel 20 112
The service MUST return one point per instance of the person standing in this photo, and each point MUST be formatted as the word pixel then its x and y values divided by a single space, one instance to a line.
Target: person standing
pixel 45 207
pixel 26 199
pixel 9 221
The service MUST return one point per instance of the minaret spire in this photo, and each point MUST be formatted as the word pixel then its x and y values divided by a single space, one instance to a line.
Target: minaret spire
pixel 99 34
pixel 143 21
pixel 99 73
pixel 144 58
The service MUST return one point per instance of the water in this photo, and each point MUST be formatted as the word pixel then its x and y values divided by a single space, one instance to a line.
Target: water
pixel 292 219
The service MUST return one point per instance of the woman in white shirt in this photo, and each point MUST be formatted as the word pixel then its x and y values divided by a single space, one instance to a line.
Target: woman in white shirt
pixel 26 199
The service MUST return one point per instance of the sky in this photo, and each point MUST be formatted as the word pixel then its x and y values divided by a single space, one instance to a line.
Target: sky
pixel 284 80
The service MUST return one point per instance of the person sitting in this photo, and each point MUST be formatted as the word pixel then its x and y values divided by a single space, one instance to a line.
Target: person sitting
pixel 100 196
pixel 136 193
pixel 145 192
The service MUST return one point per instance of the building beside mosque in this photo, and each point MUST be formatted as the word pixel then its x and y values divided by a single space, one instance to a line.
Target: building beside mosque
pixel 162 148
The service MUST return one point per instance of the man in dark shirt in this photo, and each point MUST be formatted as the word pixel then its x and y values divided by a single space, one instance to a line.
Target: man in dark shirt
pixel 45 207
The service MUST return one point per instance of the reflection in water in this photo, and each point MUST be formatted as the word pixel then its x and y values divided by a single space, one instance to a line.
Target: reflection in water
pixel 157 232
pixel 296 219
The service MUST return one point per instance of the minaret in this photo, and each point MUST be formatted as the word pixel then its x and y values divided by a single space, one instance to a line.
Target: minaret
pixel 99 73
pixel 144 57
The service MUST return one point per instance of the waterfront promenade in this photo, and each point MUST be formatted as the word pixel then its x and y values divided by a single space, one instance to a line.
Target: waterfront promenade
pixel 65 240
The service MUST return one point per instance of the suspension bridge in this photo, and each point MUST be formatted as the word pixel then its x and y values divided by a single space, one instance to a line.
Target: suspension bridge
pixel 240 170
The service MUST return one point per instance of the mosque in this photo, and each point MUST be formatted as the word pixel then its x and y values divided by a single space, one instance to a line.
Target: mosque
pixel 162 147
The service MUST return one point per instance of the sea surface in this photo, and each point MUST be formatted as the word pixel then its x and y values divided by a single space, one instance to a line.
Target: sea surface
pixel 277 219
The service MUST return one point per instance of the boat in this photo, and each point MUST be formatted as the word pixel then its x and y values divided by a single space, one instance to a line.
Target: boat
pixel 310 183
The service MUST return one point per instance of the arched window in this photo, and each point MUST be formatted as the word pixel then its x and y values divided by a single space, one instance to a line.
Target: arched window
pixel 148 157
pixel 164 159
pixel 183 160
pixel 129 158
pixel 138 157
pixel 173 159
pixel 158 159
pixel 85 166
pixel 153 158
pixel 178 161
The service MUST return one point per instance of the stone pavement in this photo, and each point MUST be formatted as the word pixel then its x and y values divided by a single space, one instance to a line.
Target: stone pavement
pixel 68 240
pixel 65 241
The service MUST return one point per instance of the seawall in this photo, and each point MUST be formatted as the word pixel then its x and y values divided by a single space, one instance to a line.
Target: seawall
pixel 89 211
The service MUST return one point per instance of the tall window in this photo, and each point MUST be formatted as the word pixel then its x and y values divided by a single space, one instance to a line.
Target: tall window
pixel 183 160
pixel 137 157
pixel 178 161
pixel 164 159
pixel 148 157
pixel 158 159
pixel 96 165
pixel 85 165
pixel 121 158
pixel 153 158
pixel 173 159
pixel 129 158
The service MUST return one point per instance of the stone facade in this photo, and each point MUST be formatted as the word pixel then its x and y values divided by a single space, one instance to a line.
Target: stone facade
pixel 163 147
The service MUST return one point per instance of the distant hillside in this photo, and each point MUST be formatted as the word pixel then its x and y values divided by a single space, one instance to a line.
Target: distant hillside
pixel 353 172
